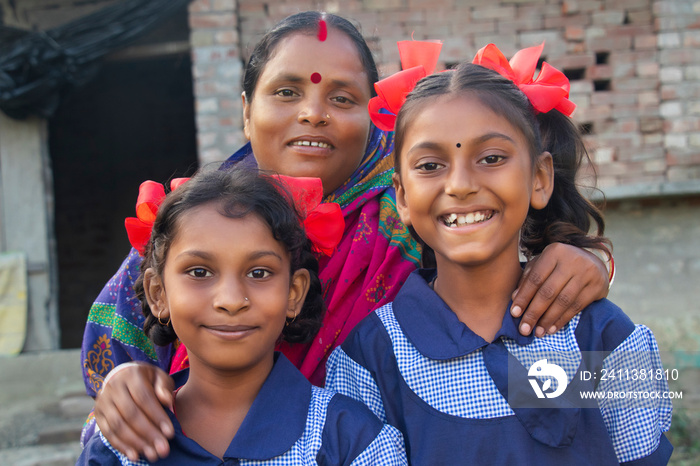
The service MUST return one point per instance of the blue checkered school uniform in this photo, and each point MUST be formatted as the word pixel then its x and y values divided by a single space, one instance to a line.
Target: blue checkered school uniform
pixel 458 399
pixel 290 422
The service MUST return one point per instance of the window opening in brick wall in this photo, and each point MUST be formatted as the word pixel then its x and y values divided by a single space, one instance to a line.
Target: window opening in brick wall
pixel 602 58
pixel 575 74
pixel 586 128
pixel 627 19
pixel 601 85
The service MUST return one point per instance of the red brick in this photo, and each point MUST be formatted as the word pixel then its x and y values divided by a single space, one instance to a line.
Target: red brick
pixel 198 6
pixel 651 124
pixel 213 20
pixel 635 84
pixel 608 17
pixel 576 33
pixel 640 17
pixel 679 57
pixel 630 30
pixel 493 12
pixel 599 72
pixel 682 125
pixel 676 156
pixel 644 42
pixel 561 22
pixel 610 43
pixel 224 5
pixel 226 37
pixel 573 61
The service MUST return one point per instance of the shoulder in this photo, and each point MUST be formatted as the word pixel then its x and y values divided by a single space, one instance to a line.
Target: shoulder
pixel 350 429
pixel 370 335
pixel 98 451
pixel 602 327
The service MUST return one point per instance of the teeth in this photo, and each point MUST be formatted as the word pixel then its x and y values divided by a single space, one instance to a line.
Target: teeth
pixel 454 220
pixel 322 145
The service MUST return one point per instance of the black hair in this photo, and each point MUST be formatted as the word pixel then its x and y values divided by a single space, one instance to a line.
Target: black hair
pixel 568 214
pixel 236 192
pixel 306 22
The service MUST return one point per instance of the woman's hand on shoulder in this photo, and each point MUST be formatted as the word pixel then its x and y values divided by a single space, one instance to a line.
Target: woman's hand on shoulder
pixel 129 410
pixel 557 285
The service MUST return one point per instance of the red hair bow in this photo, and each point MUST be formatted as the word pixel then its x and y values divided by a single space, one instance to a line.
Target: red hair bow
pixel 151 195
pixel 418 60
pixel 323 222
pixel 549 90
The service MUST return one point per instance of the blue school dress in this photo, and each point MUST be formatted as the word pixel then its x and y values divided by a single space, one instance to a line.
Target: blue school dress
pixel 458 399
pixel 290 422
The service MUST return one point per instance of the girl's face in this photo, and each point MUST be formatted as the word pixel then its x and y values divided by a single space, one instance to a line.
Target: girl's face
pixel 467 180
pixel 299 127
pixel 206 280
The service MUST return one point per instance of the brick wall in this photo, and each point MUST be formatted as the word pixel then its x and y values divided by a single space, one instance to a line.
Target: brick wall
pixel 634 67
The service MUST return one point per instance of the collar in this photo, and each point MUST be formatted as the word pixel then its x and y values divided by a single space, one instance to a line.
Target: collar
pixel 432 327
pixel 277 418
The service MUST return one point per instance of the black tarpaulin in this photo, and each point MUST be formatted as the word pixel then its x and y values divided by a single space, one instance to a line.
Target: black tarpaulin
pixel 37 69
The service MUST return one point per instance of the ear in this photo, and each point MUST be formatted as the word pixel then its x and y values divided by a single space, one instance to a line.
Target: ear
pixel 543 181
pixel 246 116
pixel 155 293
pixel 401 206
pixel 298 289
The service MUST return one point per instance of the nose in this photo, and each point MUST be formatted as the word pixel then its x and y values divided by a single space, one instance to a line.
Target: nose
pixel 230 296
pixel 313 111
pixel 460 182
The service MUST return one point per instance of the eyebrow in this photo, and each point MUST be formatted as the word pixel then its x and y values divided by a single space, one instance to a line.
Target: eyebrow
pixel 207 256
pixel 480 140
pixel 297 79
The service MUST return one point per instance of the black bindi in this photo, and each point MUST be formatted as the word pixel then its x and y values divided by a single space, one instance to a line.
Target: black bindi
pixel 459 144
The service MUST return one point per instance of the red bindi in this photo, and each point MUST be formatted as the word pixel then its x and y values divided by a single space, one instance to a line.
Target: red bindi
pixel 322 30
pixel 316 78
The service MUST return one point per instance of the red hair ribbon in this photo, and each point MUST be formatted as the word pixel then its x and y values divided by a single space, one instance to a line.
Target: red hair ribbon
pixel 418 60
pixel 151 195
pixel 549 90
pixel 323 222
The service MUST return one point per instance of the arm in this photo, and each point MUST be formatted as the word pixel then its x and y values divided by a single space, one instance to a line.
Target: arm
pixel 129 410
pixel 636 423
pixel 352 434
pixel 556 286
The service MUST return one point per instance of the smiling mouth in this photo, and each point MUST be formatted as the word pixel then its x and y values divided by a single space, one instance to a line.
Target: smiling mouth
pixel 458 220
pixel 321 145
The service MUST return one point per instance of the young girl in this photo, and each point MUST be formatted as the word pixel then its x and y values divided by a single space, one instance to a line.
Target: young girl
pixel 230 302
pixel 486 166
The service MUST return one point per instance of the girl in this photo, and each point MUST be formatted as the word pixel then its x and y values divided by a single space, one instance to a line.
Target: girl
pixel 479 176
pixel 229 302
pixel 300 126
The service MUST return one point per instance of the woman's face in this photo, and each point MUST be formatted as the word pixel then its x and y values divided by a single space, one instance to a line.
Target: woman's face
pixel 299 125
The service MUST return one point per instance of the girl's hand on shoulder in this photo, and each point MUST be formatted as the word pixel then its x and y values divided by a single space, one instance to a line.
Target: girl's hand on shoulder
pixel 129 410
pixel 557 285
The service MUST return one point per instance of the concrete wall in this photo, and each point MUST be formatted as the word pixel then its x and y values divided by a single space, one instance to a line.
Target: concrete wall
pixel 27 224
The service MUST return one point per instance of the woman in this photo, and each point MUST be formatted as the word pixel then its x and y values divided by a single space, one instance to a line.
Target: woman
pixel 308 117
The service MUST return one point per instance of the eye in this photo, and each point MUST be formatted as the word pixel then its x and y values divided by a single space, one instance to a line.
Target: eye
pixel 285 93
pixel 259 273
pixel 428 166
pixel 491 159
pixel 341 99
pixel 199 272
